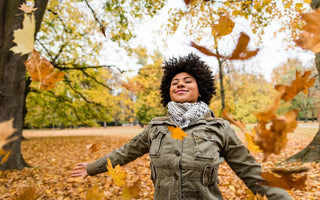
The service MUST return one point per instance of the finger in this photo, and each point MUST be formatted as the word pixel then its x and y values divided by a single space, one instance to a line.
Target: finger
pixel 78 167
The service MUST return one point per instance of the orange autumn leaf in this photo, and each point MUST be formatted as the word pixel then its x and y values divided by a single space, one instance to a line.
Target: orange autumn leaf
pixel 5 157
pixel 301 83
pixel 309 37
pixel 226 115
pixel 117 174
pixel 177 133
pixel 286 182
pixel 239 53
pixel 224 27
pixel 41 70
pixel 93 147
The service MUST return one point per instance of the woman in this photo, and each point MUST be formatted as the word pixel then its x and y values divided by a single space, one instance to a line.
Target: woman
pixel 187 169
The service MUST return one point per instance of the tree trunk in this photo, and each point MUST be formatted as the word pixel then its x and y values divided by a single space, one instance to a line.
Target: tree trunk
pixel 12 75
pixel 223 104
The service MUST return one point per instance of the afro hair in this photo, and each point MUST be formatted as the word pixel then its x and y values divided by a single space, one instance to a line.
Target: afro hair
pixel 192 65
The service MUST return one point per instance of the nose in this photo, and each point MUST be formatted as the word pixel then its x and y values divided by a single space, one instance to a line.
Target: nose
pixel 180 85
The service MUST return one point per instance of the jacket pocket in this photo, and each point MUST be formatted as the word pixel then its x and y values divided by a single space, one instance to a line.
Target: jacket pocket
pixel 156 141
pixel 205 146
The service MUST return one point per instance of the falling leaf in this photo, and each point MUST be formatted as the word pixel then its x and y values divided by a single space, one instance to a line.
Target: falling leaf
pixel 41 70
pixel 6 129
pixel 239 53
pixel 203 49
pixel 5 157
pixel 117 174
pixel 309 37
pixel 224 27
pixel 177 133
pixel 130 192
pixel 94 193
pixel 26 192
pixel 24 38
pixel 301 83
pixel 27 9
pixel 94 147
pixel 226 115
pixel 286 182
pixel 251 144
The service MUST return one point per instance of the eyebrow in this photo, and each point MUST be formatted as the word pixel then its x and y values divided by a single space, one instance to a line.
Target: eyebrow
pixel 176 79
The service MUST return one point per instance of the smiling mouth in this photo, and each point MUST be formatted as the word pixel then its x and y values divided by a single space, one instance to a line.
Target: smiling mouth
pixel 181 91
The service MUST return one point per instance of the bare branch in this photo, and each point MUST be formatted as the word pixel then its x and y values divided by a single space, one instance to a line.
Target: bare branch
pixel 96 18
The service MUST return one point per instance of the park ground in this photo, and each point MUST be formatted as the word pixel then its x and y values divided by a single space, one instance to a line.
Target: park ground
pixel 53 153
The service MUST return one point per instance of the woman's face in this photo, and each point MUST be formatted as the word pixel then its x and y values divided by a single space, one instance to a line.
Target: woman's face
pixel 184 88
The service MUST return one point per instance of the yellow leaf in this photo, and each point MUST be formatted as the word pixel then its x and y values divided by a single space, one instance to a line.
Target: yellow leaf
pixel 24 38
pixel 6 129
pixel 224 26
pixel 251 144
pixel 177 133
pixel 117 174
pixel 94 193
pixel 131 192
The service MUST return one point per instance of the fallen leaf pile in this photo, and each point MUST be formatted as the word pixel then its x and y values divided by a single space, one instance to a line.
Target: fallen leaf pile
pixel 53 158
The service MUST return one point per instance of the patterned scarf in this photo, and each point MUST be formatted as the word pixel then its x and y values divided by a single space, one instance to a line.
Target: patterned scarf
pixel 184 113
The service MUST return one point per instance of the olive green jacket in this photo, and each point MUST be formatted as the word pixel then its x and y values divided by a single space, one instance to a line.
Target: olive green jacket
pixel 187 169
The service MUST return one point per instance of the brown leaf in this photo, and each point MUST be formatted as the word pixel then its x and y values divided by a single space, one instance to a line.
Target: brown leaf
pixel 93 147
pixel 241 52
pixel 203 50
pixel 131 192
pixel 177 133
pixel 286 182
pixel 301 83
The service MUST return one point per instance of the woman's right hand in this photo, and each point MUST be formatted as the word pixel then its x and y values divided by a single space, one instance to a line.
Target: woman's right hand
pixel 80 170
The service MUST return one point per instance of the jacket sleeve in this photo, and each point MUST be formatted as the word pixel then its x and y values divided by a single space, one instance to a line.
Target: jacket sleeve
pixel 136 147
pixel 245 166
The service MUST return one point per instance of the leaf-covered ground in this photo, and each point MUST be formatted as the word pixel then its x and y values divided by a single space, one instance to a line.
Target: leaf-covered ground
pixel 53 157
